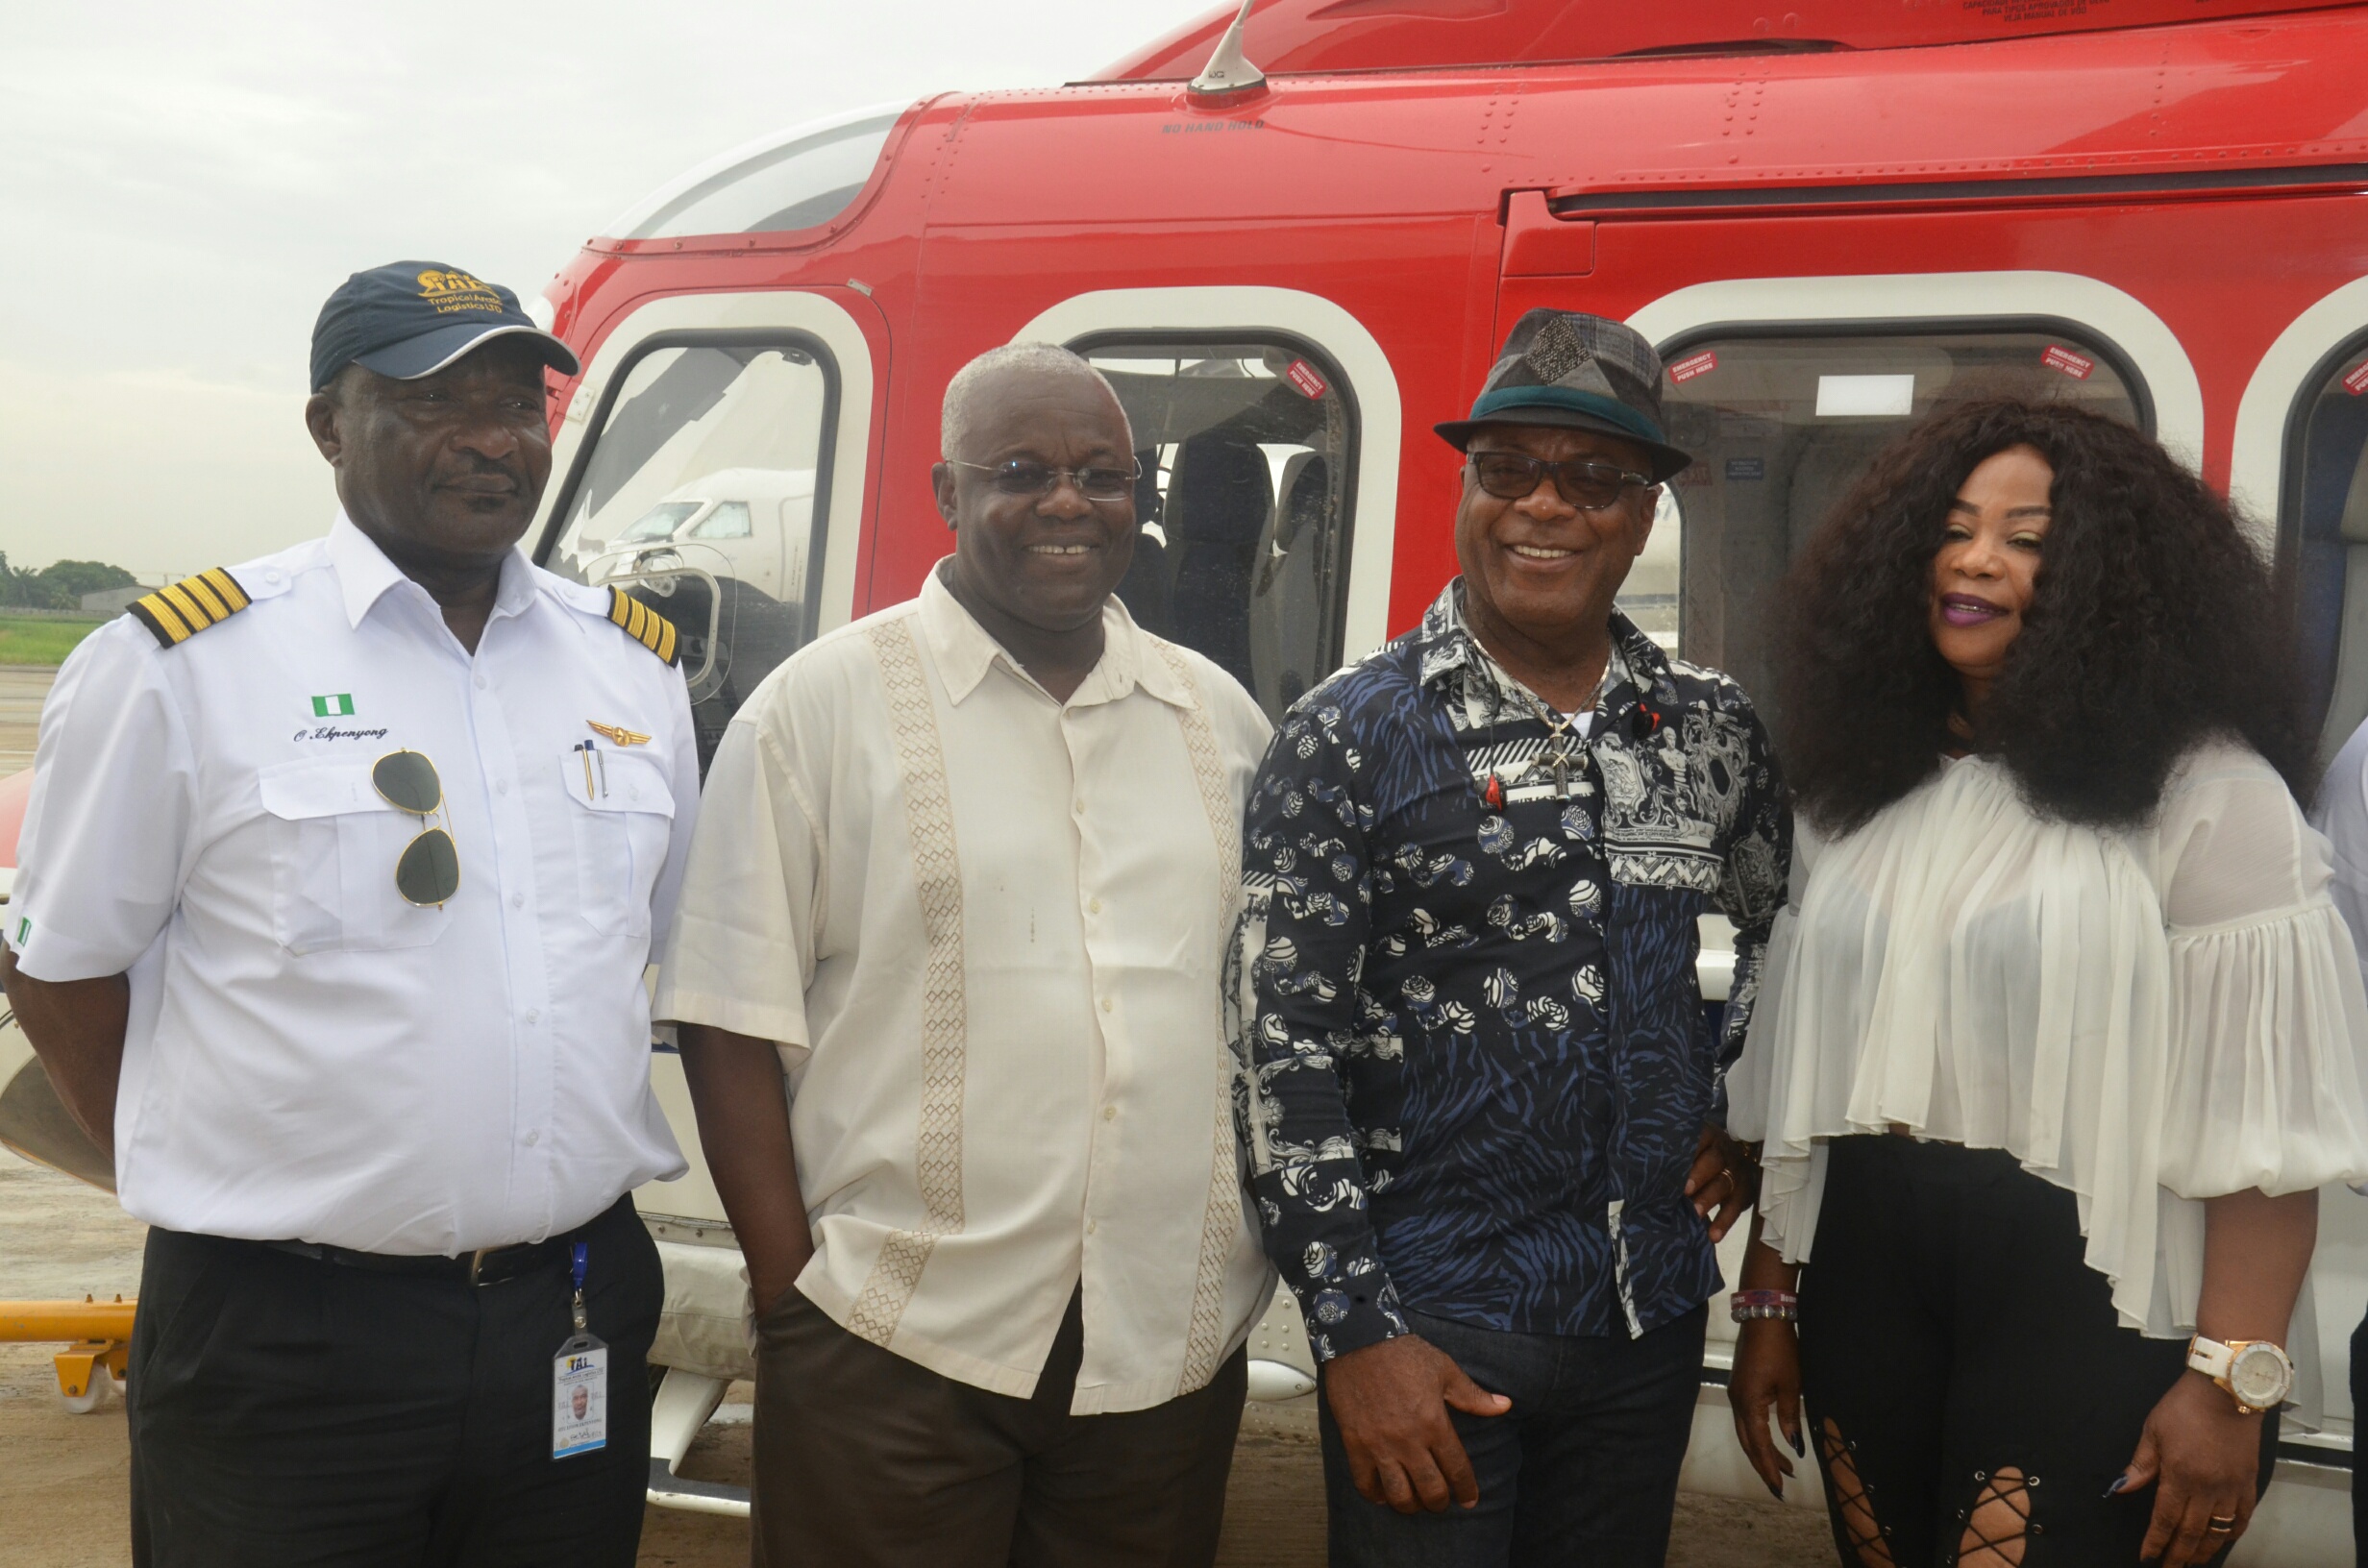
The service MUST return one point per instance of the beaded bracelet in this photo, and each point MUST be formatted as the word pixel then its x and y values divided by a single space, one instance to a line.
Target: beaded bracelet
pixel 1747 1305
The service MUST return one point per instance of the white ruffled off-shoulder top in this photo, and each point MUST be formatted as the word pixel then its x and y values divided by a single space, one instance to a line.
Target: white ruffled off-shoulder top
pixel 2148 1017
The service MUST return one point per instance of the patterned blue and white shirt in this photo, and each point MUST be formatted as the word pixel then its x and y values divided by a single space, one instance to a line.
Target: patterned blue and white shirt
pixel 1481 1058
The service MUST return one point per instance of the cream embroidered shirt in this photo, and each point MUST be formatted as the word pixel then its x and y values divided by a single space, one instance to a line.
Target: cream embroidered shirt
pixel 988 931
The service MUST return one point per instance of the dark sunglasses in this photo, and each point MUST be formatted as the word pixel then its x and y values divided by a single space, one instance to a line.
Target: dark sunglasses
pixel 1026 477
pixel 1584 483
pixel 428 871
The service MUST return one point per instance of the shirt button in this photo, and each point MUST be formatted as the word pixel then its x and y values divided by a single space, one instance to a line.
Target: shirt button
pixel 1092 1225
pixel 534 1015
pixel 1109 1112
pixel 501 786
pixel 1079 806
pixel 534 1139
pixel 481 683
pixel 517 900
pixel 1105 1004
pixel 1094 907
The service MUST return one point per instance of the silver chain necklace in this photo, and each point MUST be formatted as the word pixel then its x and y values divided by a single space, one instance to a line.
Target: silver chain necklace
pixel 1559 739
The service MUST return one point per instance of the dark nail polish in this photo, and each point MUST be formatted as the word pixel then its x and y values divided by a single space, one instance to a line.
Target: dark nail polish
pixel 2119 1482
pixel 1799 1447
pixel 1775 1491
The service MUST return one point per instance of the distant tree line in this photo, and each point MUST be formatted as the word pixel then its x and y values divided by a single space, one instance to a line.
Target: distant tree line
pixel 58 586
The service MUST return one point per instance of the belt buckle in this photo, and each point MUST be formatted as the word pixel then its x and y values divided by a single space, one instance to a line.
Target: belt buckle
pixel 477 1262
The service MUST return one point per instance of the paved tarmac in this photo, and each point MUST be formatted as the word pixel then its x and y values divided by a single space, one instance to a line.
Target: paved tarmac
pixel 22 687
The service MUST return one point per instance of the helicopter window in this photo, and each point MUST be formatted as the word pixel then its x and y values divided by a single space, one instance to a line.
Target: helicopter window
pixel 1247 446
pixel 1781 421
pixel 733 429
pixel 800 182
pixel 2322 537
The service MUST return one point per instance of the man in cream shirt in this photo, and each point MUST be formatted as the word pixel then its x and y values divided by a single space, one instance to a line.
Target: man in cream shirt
pixel 948 967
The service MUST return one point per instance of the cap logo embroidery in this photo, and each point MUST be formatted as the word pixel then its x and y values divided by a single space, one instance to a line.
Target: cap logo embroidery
pixel 450 291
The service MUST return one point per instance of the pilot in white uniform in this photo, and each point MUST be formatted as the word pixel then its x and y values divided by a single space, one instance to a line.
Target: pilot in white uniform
pixel 337 887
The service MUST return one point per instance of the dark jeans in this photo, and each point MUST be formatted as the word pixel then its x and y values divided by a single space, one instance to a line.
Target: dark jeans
pixel 287 1410
pixel 1961 1349
pixel 865 1460
pixel 1582 1471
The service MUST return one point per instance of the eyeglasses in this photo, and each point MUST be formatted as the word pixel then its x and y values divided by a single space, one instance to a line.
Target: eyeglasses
pixel 1026 477
pixel 1589 485
pixel 428 871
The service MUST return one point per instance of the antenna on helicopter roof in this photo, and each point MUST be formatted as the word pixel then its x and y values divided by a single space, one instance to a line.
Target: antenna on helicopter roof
pixel 1229 75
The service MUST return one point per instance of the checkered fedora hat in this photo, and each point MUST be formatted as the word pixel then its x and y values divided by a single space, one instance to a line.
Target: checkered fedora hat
pixel 1574 371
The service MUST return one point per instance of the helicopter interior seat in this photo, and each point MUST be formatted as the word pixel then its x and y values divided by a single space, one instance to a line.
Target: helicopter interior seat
pixel 2348 704
pixel 1220 496
pixel 1145 589
pixel 1286 607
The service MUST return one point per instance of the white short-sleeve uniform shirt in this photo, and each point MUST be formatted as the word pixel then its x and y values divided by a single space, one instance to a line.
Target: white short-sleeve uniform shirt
pixel 989 930
pixel 309 1056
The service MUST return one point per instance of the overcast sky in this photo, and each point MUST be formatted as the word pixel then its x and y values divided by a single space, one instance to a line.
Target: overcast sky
pixel 184 185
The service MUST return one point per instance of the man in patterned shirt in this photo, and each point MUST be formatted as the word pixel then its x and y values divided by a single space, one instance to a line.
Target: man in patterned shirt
pixel 1485 1127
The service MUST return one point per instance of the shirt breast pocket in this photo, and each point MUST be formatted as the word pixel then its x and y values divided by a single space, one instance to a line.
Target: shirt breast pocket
pixel 334 841
pixel 622 821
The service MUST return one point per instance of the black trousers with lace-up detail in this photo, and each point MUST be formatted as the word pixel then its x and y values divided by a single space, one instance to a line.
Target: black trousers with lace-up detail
pixel 1970 1390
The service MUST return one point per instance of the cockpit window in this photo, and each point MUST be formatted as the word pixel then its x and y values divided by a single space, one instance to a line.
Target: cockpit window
pixel 728 521
pixel 659 522
pixel 803 181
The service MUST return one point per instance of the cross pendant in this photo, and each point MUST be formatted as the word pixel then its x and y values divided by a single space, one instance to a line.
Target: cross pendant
pixel 1562 776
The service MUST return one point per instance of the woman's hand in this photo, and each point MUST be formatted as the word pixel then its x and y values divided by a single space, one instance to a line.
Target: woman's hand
pixel 2205 1460
pixel 1767 1376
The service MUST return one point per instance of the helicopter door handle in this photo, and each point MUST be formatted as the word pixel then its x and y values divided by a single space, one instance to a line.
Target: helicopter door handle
pixel 669 576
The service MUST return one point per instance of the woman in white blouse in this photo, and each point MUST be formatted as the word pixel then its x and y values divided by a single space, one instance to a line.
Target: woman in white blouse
pixel 2059 1033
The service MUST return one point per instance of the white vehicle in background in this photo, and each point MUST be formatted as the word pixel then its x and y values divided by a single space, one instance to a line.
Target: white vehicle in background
pixel 712 521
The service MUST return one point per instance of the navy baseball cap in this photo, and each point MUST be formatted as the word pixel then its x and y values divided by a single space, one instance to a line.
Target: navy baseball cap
pixel 1575 371
pixel 409 319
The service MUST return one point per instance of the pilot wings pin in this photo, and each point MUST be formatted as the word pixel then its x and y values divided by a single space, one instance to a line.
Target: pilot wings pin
pixel 618 734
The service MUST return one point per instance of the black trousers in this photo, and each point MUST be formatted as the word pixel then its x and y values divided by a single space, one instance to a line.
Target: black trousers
pixel 1951 1331
pixel 1581 1473
pixel 2359 1402
pixel 286 1410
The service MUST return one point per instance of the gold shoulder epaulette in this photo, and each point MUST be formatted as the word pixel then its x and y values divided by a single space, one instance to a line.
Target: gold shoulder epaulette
pixel 180 612
pixel 642 624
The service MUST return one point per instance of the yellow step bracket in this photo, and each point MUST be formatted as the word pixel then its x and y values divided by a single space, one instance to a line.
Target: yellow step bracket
pixel 98 1336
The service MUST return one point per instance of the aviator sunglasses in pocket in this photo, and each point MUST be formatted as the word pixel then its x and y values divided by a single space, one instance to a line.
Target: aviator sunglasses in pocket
pixel 428 871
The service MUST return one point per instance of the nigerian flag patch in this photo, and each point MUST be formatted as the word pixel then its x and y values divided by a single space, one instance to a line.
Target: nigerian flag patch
pixel 337 706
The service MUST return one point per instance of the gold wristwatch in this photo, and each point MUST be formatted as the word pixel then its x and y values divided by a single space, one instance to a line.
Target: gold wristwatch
pixel 2256 1373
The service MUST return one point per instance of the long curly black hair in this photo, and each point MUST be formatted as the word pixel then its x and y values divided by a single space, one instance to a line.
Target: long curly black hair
pixel 2153 624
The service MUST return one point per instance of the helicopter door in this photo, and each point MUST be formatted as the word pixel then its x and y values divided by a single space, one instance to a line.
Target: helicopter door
pixel 719 479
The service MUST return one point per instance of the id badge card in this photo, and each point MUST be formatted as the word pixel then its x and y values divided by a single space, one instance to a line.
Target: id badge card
pixel 580 1397
pixel 580 1384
